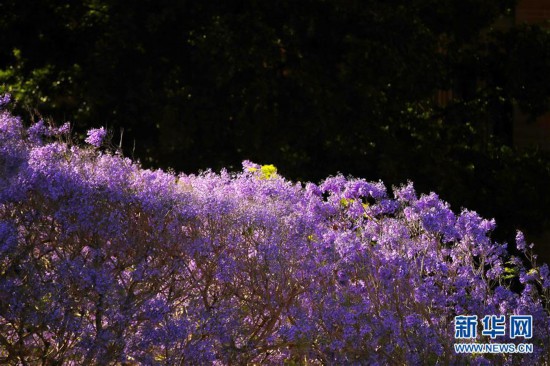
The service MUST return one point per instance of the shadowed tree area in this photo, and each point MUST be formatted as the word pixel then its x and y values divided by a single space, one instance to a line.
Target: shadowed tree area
pixel 314 87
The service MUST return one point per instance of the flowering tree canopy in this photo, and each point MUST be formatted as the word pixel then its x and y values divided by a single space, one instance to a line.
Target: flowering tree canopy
pixel 104 262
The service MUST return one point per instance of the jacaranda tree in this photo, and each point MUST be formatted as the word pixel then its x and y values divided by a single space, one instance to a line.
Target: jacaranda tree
pixel 104 262
pixel 351 84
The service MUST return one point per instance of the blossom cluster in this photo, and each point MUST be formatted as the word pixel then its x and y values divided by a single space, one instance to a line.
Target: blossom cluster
pixel 104 262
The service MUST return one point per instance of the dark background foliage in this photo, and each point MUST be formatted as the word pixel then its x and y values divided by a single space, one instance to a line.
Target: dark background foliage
pixel 315 87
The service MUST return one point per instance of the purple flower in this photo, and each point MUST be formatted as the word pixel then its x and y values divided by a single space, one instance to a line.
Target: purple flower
pixel 8 237
pixel 96 136
pixel 250 166
pixel 545 275
pixel 36 131
pixel 405 193
pixel 4 100
pixel 63 129
pixel 111 263
pixel 520 241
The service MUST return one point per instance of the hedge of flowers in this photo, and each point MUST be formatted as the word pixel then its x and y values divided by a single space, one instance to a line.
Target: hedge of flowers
pixel 103 262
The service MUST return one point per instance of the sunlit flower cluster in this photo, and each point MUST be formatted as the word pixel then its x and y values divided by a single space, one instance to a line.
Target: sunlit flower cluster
pixel 103 262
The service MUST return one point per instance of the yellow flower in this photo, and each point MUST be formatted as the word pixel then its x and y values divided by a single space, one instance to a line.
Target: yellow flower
pixel 268 171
